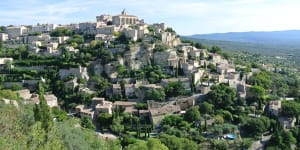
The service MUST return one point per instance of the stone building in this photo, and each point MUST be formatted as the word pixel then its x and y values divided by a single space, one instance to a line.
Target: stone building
pixel 129 90
pixel 104 18
pixel 43 28
pixel 87 27
pixel 5 60
pixel 99 105
pixel 166 58
pixel 14 32
pixel 124 19
pixel 3 37
pixel 50 99
pixel 80 72
pixel 131 33
pixel 108 30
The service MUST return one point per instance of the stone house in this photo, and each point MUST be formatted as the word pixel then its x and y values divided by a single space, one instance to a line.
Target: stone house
pixel 24 94
pixel 99 105
pixel 169 39
pixel 14 32
pixel 131 33
pixel 104 18
pixel 52 47
pixel 185 102
pixel 275 107
pixel 3 37
pixel 80 72
pixel 159 110
pixel 87 27
pixel 225 68
pixel 50 99
pixel 129 107
pixel 85 111
pixel 107 30
pixel 43 28
pixel 116 89
pixel 5 60
pixel 71 84
pixel 187 68
pixel 215 58
pixel 129 90
pixel 166 58
pixel 197 76
pixel 110 69
pixel 204 89
pixel 287 123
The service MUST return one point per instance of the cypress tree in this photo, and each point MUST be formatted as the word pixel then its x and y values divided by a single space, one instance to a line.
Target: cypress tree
pixel 42 110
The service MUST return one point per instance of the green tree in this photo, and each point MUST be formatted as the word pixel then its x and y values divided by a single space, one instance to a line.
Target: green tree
pixel 9 94
pixel 256 126
pixel 141 106
pixel 281 140
pixel 221 96
pixel 174 89
pixel 256 94
pixel 102 85
pixel 175 121
pixel 104 120
pixel 155 144
pixel 87 123
pixel 263 79
pixel 76 39
pixel 116 126
pixel 200 46
pixel 206 108
pixel 61 32
pixel 192 114
pixel 105 55
pixel 138 145
pixel 291 109
pixel 155 94
pixel 60 115
pixel 220 145
pixel 219 119
pixel 215 49
pixel 175 143
pixel 42 110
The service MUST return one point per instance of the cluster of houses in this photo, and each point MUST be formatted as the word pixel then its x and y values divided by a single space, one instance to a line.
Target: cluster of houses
pixel 31 98
pixel 274 108
pixel 156 111
pixel 193 62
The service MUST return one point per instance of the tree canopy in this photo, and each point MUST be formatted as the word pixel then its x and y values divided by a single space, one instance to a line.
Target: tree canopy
pixel 174 89
pixel 221 96
pixel 192 114
pixel 61 32
pixel 155 94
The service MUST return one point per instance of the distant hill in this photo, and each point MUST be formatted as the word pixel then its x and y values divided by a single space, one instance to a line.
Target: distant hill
pixel 290 38
pixel 264 49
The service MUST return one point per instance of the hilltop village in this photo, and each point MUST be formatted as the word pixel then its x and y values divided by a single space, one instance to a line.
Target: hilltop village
pixel 127 79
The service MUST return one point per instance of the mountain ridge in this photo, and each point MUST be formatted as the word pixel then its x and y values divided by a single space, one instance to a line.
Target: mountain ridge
pixel 285 37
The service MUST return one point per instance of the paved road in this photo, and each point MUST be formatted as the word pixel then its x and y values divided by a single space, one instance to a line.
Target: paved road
pixel 259 145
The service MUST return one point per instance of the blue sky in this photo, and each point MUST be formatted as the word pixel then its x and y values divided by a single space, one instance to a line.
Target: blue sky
pixel 185 16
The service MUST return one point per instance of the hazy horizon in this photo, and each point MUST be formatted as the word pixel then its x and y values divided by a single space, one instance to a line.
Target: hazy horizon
pixel 186 17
